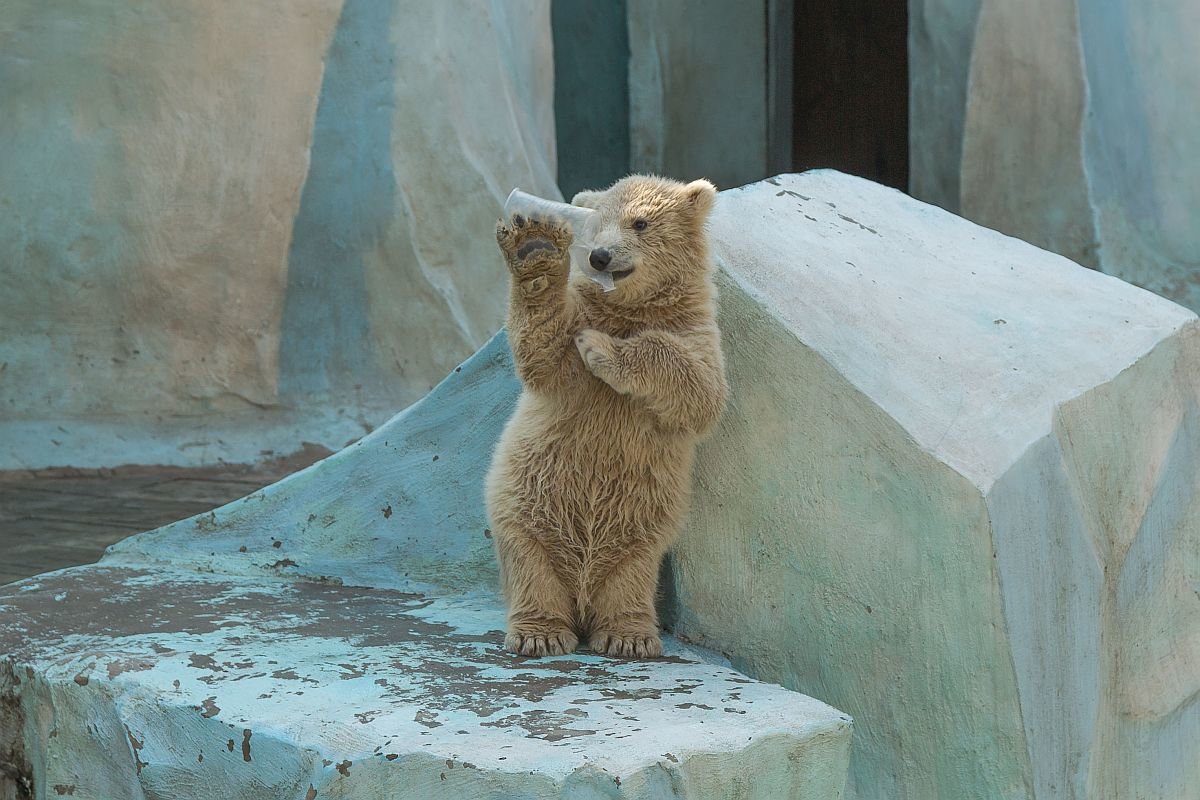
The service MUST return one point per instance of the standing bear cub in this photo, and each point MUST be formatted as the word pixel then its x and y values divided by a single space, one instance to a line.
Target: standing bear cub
pixel 590 481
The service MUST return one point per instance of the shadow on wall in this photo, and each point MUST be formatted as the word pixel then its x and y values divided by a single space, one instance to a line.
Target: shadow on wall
pixel 346 206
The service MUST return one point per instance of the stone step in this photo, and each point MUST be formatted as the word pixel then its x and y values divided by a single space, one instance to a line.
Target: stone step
pixel 134 682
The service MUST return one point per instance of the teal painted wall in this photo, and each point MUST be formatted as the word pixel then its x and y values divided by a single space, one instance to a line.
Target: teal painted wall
pixel 591 93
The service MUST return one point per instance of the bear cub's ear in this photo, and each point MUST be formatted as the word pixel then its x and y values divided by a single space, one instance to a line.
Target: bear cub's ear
pixel 701 195
pixel 587 200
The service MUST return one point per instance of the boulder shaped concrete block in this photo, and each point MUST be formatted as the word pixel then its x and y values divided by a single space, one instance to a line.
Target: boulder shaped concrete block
pixel 955 495
pixel 177 684
pixel 336 635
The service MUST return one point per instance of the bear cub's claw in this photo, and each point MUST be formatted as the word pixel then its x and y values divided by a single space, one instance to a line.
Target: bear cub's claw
pixel 541 643
pixel 533 246
pixel 611 644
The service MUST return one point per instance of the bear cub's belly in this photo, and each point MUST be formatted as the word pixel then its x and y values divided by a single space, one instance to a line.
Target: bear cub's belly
pixel 576 465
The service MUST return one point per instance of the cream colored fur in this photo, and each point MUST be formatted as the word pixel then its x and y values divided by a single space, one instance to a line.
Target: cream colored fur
pixel 590 481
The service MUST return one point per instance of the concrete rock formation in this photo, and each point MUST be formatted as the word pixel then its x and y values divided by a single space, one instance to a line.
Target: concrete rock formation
pixel 270 212
pixel 1068 124
pixel 955 495
pixel 940 36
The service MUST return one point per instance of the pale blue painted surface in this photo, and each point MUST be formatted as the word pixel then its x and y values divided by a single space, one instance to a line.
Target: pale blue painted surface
pixel 374 693
pixel 210 210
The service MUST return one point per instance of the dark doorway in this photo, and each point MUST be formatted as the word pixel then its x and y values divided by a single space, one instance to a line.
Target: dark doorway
pixel 591 93
pixel 850 88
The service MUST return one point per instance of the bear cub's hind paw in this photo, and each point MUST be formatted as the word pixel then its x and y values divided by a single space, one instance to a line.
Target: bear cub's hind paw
pixel 537 643
pixel 611 644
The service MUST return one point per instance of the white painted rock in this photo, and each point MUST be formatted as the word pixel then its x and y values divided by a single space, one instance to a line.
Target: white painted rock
pixel 231 227
pixel 956 495
pixel 306 641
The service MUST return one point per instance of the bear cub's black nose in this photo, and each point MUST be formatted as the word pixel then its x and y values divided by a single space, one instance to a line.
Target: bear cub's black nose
pixel 600 258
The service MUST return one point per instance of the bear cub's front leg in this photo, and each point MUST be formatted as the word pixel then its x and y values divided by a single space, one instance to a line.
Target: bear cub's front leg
pixel 540 321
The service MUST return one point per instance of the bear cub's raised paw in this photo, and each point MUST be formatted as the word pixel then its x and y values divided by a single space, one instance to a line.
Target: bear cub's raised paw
pixel 534 247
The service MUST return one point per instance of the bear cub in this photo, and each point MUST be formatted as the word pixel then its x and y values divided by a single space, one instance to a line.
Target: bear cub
pixel 590 481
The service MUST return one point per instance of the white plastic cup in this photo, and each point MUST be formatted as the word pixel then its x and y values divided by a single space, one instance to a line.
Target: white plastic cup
pixel 581 221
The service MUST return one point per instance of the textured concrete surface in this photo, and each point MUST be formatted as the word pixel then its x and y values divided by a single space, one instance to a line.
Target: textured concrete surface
pixel 335 635
pixel 225 211
pixel 130 683
pixel 246 438
pixel 955 496
pixel 591 93
pixel 1028 177
pixel 409 514
pixel 1071 124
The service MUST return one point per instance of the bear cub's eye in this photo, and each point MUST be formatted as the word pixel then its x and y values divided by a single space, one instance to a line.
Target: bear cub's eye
pixel 640 224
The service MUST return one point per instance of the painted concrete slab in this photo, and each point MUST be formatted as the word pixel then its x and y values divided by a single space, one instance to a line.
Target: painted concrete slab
pixel 130 683
pixel 955 496
pixel 400 508
pixel 692 114
pixel 941 35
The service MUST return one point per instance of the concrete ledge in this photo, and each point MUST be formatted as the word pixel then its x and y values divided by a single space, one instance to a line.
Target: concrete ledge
pixel 133 683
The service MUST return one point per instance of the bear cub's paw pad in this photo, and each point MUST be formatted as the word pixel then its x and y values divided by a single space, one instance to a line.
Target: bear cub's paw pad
pixel 611 644
pixel 541 643
pixel 532 242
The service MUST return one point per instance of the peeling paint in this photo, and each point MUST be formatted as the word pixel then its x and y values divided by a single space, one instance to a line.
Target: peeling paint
pixel 210 708
pixel 136 746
